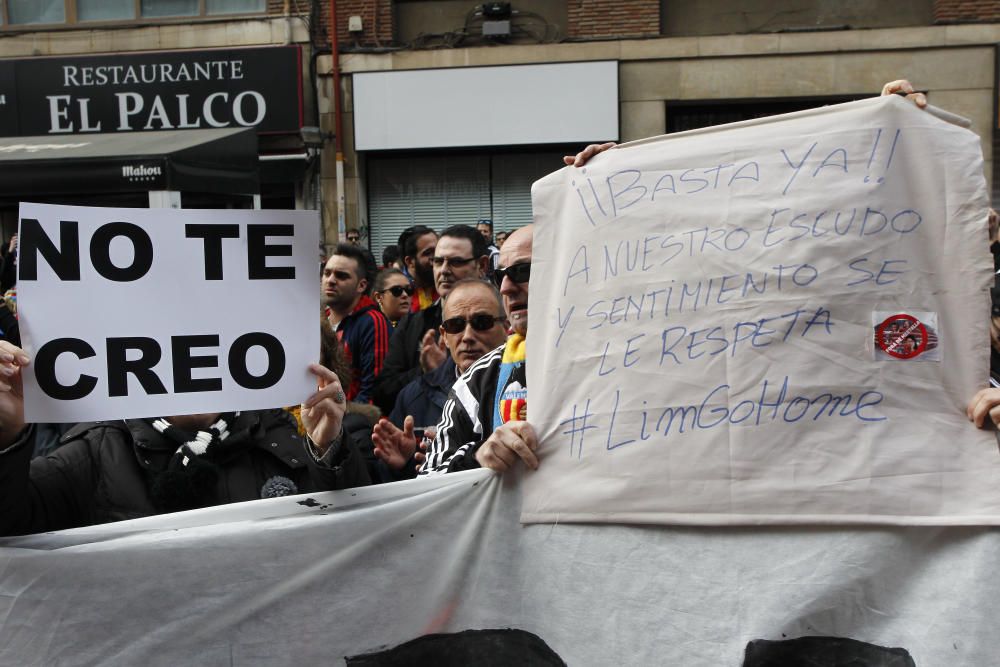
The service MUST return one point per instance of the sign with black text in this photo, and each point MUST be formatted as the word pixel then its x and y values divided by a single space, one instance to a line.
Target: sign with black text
pixel 149 312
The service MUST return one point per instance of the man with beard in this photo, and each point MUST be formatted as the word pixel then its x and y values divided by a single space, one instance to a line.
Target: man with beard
pixel 416 246
pixel 414 348
pixel 360 325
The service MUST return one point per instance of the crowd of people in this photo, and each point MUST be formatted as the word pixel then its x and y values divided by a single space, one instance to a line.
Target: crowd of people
pixel 421 371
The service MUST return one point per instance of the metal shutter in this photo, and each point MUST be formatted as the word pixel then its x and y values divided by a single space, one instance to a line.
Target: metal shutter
pixel 436 191
pixel 513 175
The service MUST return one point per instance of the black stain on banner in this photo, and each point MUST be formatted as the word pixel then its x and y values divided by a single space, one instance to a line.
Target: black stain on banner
pixel 823 652
pixel 483 648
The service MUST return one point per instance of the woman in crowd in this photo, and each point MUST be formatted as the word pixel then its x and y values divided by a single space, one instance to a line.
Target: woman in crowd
pixel 392 292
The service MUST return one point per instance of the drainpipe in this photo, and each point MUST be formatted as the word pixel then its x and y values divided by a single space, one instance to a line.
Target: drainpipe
pixel 338 120
pixel 287 13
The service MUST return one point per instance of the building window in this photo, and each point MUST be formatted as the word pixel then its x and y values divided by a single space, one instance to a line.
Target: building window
pixel 21 12
pixel 687 115
pixel 16 13
pixel 214 7
pixel 105 10
pixel 164 8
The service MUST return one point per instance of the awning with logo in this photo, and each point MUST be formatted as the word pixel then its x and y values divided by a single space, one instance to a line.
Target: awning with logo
pixel 220 161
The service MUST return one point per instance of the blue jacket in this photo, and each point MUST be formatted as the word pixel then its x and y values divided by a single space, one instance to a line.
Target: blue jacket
pixel 424 398
pixel 365 336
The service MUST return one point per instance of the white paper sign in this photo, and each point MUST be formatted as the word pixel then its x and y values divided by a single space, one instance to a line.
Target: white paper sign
pixel 775 321
pixel 147 312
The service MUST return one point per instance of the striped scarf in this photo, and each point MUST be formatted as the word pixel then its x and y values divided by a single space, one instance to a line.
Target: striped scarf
pixel 190 478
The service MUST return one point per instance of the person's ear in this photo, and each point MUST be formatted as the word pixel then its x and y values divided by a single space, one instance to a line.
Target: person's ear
pixel 362 286
pixel 483 263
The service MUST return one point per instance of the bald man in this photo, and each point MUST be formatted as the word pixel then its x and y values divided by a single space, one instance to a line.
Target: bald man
pixel 483 423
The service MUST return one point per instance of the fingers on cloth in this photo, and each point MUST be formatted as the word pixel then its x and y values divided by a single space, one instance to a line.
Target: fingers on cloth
pixel 897 86
pixel 514 440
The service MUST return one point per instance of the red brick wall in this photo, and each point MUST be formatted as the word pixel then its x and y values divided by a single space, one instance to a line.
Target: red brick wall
pixel 377 30
pixel 966 11
pixel 612 18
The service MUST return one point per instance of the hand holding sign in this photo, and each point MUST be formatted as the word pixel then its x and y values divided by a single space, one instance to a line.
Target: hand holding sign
pixel 323 412
pixel 985 404
pixel 12 360
pixel 510 442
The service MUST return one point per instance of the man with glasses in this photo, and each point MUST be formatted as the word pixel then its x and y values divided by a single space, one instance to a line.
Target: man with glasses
pixel 483 423
pixel 353 237
pixel 474 323
pixel 414 348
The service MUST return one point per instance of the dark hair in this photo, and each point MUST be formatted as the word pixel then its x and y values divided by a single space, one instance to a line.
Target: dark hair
pixel 390 255
pixel 487 222
pixel 358 255
pixel 383 277
pixel 408 239
pixel 479 248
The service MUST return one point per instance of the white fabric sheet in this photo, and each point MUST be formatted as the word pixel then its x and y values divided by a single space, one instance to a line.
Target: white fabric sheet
pixel 277 582
pixel 709 312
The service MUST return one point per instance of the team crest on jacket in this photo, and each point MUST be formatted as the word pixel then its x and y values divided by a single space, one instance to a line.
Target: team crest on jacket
pixel 514 403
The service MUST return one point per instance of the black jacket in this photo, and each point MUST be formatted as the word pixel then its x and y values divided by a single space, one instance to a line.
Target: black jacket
pixel 402 364
pixel 424 398
pixel 103 471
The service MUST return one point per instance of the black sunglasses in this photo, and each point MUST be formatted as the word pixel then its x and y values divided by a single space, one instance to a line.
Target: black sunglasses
pixel 454 262
pixel 397 290
pixel 480 322
pixel 518 273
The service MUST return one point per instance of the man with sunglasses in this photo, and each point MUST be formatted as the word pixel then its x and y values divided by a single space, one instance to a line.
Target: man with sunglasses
pixel 414 348
pixel 483 423
pixel 474 324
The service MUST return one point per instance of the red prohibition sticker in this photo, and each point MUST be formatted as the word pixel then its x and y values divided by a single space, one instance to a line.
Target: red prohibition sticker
pixel 901 336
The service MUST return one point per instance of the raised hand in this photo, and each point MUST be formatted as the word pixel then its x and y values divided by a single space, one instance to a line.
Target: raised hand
pixel 12 360
pixel 323 412
pixel 905 88
pixel 433 351
pixel 590 151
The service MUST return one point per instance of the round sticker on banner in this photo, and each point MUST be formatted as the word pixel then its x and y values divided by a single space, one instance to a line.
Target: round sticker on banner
pixel 901 336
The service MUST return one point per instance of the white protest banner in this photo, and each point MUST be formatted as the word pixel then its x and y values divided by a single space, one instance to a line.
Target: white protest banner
pixel 776 321
pixel 146 312
pixel 314 580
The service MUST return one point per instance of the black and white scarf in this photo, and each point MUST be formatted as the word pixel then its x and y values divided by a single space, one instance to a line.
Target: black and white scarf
pixel 190 478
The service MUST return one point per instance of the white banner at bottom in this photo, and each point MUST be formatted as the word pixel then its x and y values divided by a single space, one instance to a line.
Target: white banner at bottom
pixel 367 574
